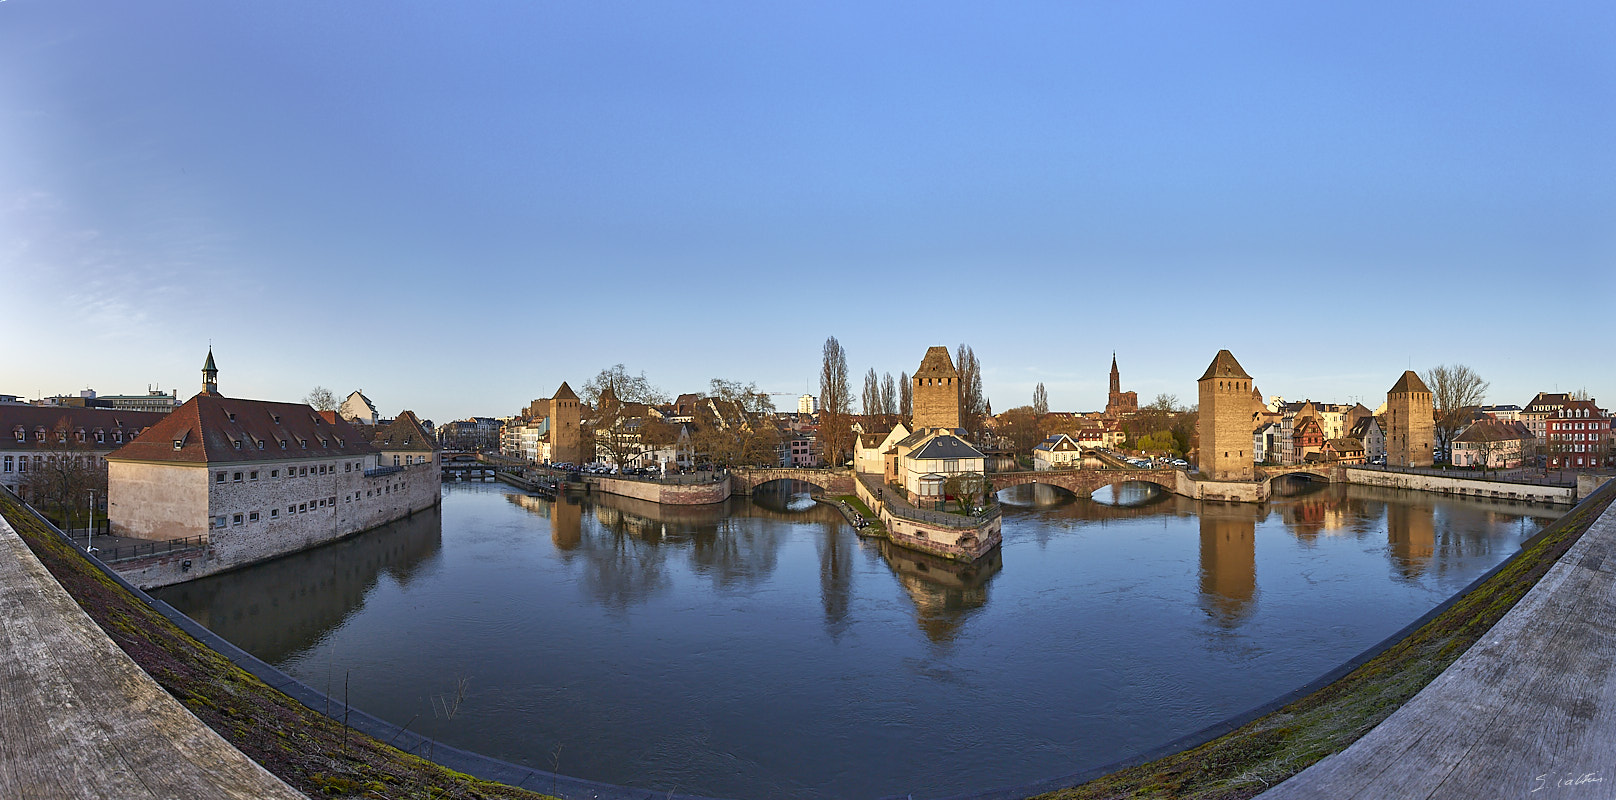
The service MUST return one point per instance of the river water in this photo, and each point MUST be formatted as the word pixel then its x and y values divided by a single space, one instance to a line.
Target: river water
pixel 758 649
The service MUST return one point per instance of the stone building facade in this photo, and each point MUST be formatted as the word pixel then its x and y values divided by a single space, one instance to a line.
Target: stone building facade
pixel 259 479
pixel 566 426
pixel 1410 423
pixel 936 394
pixel 1225 423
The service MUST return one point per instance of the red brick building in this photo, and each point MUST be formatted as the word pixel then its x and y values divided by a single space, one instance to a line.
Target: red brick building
pixel 1577 436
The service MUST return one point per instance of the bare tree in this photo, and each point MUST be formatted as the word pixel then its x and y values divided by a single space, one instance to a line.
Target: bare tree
pixel 906 397
pixel 1457 392
pixel 624 388
pixel 973 401
pixel 321 399
pixel 60 482
pixel 1040 400
pixel 872 394
pixel 889 396
pixel 835 404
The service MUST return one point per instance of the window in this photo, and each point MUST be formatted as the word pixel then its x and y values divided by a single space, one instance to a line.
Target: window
pixel 235 520
pixel 348 466
pixel 332 500
pixel 236 443
pixel 218 477
pixel 291 509
pixel 283 444
pixel 219 522
pixel 117 436
pixel 20 435
pixel 100 437
pixel 320 503
pixel 395 460
pixel 274 473
pixel 236 477
pixel 274 513
pixel 303 470
pixel 302 508
pixel 8 464
pixel 252 476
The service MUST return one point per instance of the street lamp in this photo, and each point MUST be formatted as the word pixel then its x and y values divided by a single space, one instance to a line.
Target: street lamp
pixel 89 542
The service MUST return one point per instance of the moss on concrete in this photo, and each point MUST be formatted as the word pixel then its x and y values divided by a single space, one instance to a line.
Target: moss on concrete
pixel 313 753
pixel 1274 747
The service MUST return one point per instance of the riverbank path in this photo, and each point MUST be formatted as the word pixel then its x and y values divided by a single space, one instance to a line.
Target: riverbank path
pixel 1529 711
pixel 78 718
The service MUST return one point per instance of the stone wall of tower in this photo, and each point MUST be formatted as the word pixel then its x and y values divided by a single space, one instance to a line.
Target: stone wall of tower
pixel 1410 426
pixel 566 427
pixel 1225 422
pixel 936 402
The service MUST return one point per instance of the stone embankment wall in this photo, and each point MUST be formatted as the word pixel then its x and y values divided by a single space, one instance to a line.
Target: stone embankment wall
pixel 1229 491
pixel 947 541
pixel 694 494
pixel 1469 487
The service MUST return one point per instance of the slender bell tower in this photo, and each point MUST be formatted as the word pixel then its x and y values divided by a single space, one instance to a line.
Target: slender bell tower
pixel 210 375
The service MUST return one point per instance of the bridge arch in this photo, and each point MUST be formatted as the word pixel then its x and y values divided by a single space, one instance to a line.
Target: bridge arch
pixel 743 480
pixel 1084 482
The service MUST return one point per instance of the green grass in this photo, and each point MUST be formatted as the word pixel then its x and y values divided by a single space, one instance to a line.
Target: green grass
pixel 313 753
pixel 1274 747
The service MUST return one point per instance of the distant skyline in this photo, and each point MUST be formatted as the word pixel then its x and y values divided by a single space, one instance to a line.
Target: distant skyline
pixel 456 208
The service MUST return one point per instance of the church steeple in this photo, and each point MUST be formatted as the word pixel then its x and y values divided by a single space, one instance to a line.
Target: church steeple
pixel 210 374
pixel 1116 377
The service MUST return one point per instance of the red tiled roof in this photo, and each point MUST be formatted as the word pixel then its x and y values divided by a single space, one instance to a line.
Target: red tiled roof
pixel 212 428
pixel 403 433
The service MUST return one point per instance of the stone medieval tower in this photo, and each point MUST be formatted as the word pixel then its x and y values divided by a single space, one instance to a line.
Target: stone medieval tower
pixel 565 426
pixel 1225 423
pixel 937 391
pixel 1410 425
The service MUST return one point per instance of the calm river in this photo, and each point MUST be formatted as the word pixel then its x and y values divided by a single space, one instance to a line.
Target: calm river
pixel 759 649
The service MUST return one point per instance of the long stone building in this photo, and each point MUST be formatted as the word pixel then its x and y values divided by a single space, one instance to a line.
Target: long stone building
pixel 1225 422
pixel 258 479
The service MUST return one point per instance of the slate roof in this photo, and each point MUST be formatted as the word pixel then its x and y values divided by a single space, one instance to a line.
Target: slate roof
pixel 936 364
pixel 403 433
pixel 107 420
pixel 213 428
pixel 1492 430
pixel 565 393
pixel 1360 429
pixel 1410 382
pixel 945 446
pixel 1224 366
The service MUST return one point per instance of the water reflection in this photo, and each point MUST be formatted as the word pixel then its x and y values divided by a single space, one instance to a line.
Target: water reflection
pixel 1129 494
pixel 945 593
pixel 281 607
pixel 1228 561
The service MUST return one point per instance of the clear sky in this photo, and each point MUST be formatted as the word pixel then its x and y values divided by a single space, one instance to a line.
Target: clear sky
pixel 457 206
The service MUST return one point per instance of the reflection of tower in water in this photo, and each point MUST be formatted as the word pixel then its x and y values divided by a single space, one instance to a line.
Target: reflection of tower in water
pixel 566 523
pixel 944 592
pixel 1411 537
pixel 1228 563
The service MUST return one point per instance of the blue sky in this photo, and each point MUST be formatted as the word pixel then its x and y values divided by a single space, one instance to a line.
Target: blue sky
pixel 456 207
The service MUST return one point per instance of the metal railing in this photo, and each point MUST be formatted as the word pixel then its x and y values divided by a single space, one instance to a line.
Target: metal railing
pixel 377 472
pixel 1518 475
pixel 130 552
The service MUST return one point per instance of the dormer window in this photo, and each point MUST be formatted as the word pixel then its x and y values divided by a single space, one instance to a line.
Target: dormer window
pixel 81 435
pixel 179 443
pixel 260 444
pixel 231 415
pixel 117 436
pixel 303 443
pixel 276 417
pixel 20 435
pixel 323 442
pixel 100 437
pixel 283 444
pixel 236 443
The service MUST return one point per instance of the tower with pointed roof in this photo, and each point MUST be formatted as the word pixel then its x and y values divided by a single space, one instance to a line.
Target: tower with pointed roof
pixel 566 425
pixel 210 375
pixel 936 394
pixel 1117 402
pixel 1225 420
pixel 1410 422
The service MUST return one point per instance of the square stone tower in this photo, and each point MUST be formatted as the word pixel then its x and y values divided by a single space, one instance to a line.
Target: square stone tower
pixel 1410 423
pixel 566 426
pixel 1225 422
pixel 937 391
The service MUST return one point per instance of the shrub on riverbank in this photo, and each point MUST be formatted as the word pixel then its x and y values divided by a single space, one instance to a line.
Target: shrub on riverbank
pixel 316 755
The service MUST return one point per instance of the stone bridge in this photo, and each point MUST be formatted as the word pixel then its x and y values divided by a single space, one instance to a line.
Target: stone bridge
pixel 1331 473
pixel 1084 482
pixel 742 480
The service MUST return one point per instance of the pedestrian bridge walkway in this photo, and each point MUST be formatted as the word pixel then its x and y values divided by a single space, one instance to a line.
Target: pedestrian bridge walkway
pixel 78 719
pixel 1529 711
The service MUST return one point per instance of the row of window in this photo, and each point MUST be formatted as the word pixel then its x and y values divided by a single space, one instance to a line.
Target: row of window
pixel 291 472
pixel 61 436
pixel 1575 437
pixel 1577 426
pixel 231 520
pixel 21 462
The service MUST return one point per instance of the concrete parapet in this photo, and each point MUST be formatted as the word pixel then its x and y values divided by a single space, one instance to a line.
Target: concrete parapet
pixel 1466 487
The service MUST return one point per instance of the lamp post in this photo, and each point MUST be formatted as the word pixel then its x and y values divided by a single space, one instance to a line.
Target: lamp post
pixel 89 542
